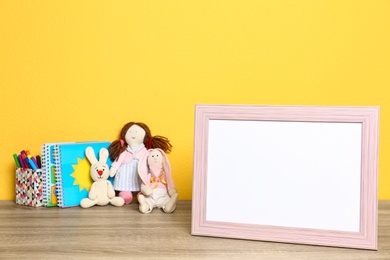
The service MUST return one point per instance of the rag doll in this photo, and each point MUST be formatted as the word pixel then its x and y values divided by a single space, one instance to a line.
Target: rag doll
pixel 134 140
pixel 101 192
pixel 158 189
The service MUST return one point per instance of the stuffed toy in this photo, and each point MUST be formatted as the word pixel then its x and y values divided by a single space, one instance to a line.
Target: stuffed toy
pixel 101 192
pixel 158 189
pixel 134 140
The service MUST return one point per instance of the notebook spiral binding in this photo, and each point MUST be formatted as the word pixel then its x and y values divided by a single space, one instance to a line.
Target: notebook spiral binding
pixel 47 175
pixel 45 182
pixel 57 160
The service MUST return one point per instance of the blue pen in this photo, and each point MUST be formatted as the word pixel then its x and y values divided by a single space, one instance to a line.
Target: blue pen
pixel 32 165
pixel 34 162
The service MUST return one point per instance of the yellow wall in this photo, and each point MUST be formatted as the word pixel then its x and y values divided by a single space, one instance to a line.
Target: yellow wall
pixel 78 70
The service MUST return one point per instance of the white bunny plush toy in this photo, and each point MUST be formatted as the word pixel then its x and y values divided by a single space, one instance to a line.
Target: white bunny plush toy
pixel 158 189
pixel 101 192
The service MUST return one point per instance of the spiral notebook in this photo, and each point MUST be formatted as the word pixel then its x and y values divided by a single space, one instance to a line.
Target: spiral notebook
pixel 73 179
pixel 49 174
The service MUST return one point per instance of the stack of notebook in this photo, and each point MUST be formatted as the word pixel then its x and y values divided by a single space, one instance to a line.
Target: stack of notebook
pixel 66 172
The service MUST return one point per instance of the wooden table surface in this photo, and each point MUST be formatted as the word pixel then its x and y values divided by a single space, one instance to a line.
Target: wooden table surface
pixel 124 233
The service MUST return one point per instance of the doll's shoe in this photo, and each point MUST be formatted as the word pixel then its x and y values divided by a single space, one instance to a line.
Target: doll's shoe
pixel 171 204
pixel 143 205
pixel 127 196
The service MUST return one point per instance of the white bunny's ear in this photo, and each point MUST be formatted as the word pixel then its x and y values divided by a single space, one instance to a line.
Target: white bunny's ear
pixel 103 155
pixel 90 155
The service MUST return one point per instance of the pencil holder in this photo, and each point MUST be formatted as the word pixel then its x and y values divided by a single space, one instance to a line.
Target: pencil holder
pixel 29 187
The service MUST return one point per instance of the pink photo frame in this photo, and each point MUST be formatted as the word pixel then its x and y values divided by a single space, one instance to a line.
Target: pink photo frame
pixel 293 174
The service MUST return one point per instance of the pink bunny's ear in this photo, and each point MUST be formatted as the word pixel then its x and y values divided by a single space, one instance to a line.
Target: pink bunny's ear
pixel 167 170
pixel 143 167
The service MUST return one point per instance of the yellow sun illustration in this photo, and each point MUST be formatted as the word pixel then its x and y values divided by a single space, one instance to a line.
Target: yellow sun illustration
pixel 81 174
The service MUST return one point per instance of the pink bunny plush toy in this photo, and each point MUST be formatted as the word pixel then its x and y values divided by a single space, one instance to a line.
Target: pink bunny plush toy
pixel 157 187
pixel 101 192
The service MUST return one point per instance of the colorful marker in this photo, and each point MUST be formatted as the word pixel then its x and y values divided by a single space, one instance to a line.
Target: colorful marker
pixel 39 161
pixel 27 163
pixel 21 162
pixel 34 162
pixel 16 160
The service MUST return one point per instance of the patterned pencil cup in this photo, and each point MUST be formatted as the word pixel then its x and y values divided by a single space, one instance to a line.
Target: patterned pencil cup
pixel 28 187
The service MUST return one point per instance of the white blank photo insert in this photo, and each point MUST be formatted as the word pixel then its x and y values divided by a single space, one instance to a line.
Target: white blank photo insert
pixel 280 173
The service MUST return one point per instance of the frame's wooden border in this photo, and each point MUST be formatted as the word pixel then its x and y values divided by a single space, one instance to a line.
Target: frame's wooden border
pixel 367 116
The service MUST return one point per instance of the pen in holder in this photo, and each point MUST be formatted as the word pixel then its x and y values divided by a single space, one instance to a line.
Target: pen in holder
pixel 29 187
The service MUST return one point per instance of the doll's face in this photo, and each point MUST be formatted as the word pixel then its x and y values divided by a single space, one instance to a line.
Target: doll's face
pixel 135 136
pixel 155 158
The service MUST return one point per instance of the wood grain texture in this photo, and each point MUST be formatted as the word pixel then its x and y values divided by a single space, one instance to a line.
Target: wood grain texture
pixel 124 233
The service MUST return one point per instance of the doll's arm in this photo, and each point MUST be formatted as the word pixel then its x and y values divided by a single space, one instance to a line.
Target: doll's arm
pixel 116 164
pixel 110 190
pixel 146 190
pixel 171 187
pixel 145 187
pixel 92 192
pixel 172 191
pixel 113 171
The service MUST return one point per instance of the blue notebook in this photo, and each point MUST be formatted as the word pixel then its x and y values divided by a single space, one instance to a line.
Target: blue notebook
pixel 73 179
